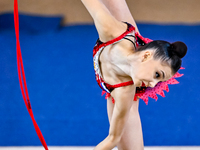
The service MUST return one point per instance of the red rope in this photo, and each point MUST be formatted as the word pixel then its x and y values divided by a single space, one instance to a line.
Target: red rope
pixel 22 79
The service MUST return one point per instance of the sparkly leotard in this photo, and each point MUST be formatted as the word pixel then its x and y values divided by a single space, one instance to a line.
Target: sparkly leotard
pixel 142 92
pixel 96 53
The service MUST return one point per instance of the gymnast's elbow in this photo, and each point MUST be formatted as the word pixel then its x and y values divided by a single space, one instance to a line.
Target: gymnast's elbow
pixel 114 139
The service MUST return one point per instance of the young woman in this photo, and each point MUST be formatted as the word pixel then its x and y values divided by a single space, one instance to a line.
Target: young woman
pixel 124 62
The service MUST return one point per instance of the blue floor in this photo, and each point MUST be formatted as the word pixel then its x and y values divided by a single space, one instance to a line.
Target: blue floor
pixel 65 98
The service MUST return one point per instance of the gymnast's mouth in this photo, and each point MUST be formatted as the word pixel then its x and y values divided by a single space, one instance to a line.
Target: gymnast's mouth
pixel 143 84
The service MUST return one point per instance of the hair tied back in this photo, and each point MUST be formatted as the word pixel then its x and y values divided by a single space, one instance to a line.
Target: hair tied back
pixel 179 48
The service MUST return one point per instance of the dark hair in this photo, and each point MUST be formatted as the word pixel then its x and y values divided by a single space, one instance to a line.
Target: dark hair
pixel 167 52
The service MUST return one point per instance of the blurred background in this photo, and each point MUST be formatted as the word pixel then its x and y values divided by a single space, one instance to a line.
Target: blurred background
pixel 73 11
pixel 57 38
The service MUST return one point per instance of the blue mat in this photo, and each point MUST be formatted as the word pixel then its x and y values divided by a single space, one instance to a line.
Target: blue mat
pixel 65 98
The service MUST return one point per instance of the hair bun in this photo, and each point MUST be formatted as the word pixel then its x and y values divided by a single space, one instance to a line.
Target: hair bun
pixel 179 48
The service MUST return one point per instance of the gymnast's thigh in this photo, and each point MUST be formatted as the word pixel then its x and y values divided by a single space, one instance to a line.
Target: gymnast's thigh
pixel 132 138
pixel 110 107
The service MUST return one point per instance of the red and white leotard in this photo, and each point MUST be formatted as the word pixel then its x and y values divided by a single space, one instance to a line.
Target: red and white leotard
pixel 143 92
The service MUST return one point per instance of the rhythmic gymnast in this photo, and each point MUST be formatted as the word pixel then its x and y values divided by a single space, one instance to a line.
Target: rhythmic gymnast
pixel 127 66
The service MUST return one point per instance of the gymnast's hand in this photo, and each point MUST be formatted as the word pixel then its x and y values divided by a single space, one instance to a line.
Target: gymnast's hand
pixel 123 102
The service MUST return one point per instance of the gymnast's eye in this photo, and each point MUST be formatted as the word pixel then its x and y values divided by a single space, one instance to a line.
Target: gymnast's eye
pixel 157 75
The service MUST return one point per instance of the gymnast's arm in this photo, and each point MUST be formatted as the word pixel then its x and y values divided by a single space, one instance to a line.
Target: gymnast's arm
pixel 108 27
pixel 120 10
pixel 123 101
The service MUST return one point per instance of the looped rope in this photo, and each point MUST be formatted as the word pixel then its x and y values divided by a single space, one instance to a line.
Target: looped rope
pixel 22 79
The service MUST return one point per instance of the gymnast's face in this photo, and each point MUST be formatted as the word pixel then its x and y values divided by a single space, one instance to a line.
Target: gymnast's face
pixel 150 71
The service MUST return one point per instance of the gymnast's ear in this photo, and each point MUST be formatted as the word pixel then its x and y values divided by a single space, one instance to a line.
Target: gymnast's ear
pixel 146 55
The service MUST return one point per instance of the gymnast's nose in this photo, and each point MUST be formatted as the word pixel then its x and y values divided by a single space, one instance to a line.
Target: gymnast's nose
pixel 153 84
